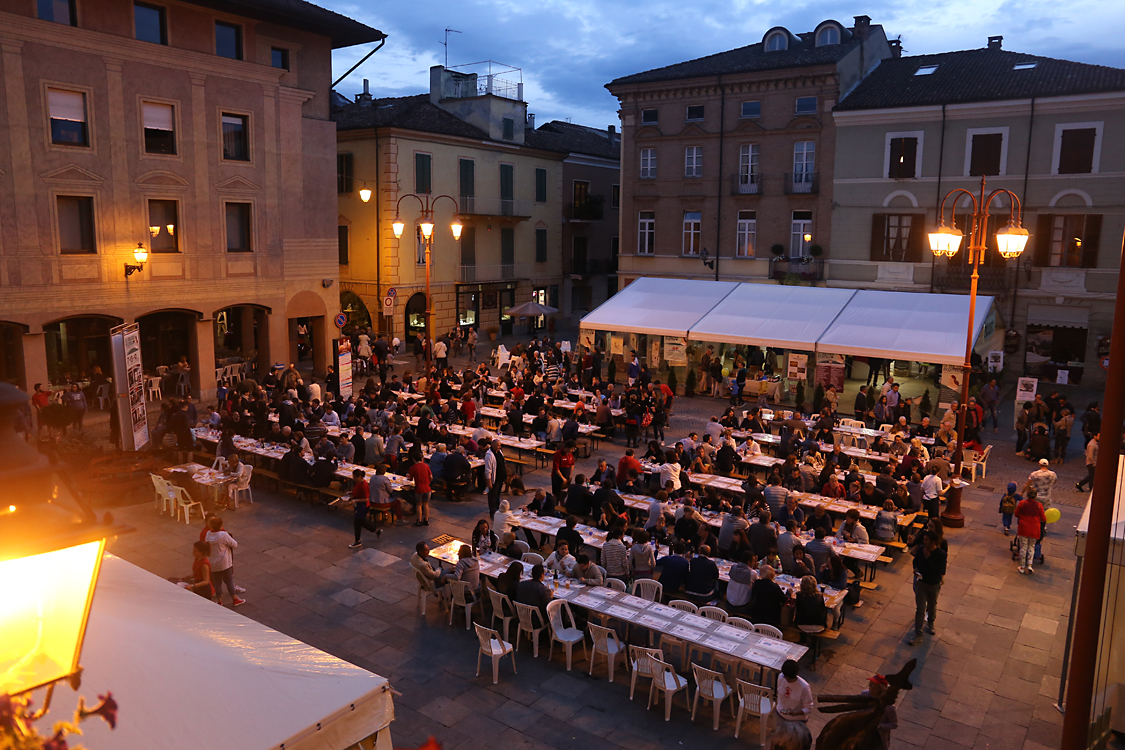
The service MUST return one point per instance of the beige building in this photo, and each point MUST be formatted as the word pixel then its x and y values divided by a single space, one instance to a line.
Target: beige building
pixel 466 148
pixel 204 137
pixel 733 153
pixel 1048 130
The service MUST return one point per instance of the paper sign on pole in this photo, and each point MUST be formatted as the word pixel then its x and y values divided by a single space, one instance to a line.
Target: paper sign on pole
pixel 798 366
pixel 344 366
pixel 586 338
pixel 616 343
pixel 1062 377
pixel 995 361
pixel 675 350
pixel 129 386
pixel 1026 388
pixel 654 352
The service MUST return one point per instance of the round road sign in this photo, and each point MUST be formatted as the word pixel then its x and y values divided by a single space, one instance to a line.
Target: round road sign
pixel 341 319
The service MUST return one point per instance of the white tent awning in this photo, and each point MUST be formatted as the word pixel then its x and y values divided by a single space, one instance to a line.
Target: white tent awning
pixel 787 317
pixel 905 325
pixel 189 673
pixel 660 306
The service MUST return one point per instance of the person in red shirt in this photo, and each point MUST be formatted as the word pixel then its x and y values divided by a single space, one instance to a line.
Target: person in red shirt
pixel 420 474
pixel 40 399
pixel 361 493
pixel 561 467
pixel 628 462
pixel 518 393
pixel 468 408
pixel 668 395
pixel 201 571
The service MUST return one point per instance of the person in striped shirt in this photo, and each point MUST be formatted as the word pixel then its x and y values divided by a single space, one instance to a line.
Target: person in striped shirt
pixel 615 556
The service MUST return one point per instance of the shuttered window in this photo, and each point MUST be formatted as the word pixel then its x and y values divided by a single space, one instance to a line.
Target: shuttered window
pixel 422 174
pixel 1076 151
pixel 904 154
pixel 1068 240
pixel 986 152
pixel 68 117
pixel 540 185
pixel 159 125
pixel 76 224
pixel 540 245
pixel 897 237
pixel 344 173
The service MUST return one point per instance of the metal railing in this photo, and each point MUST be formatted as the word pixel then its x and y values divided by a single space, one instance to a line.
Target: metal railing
pixel 797 269
pixel 746 184
pixel 495 272
pixel 592 266
pixel 592 210
pixel 797 183
pixel 479 206
pixel 959 277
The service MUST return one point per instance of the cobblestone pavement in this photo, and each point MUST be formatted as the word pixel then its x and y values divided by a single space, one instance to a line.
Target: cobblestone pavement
pixel 988 679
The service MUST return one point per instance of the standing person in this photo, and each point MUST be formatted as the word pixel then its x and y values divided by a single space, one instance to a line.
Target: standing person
pixel 222 560
pixel 860 407
pixel 1042 481
pixel 420 473
pixel 471 341
pixel 361 496
pixel 1030 520
pixel 1091 462
pixel 1091 421
pixel 75 400
pixel 494 474
pixel 1063 427
pixel 929 571
pixel 932 490
pixel 1023 425
pixel 634 371
pixel 441 350
pixel 989 401
pixel 561 465
pixel 1008 503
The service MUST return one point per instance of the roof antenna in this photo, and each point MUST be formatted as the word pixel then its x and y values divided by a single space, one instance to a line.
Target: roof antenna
pixel 446 44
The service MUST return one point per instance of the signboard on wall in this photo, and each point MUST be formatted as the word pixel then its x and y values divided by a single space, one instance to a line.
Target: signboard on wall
pixel 586 338
pixel 616 343
pixel 830 373
pixel 675 350
pixel 951 378
pixel 344 366
pixel 797 366
pixel 995 361
pixel 129 386
pixel 1025 391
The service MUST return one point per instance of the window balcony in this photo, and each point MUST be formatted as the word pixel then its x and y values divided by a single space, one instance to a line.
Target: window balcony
pixel 797 269
pixel 592 267
pixel 959 278
pixel 478 206
pixel 802 183
pixel 746 184
pixel 488 273
pixel 592 209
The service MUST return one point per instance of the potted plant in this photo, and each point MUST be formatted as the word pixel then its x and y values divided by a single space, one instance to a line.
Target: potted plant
pixel 612 368
pixel 673 381
pixel 800 396
pixel 926 407
pixel 816 251
pixel 690 382
pixel 492 332
pixel 818 398
pixel 777 249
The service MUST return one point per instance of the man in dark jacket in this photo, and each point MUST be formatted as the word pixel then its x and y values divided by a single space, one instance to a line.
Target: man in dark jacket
pixel 929 572
pixel 860 407
pixel 767 599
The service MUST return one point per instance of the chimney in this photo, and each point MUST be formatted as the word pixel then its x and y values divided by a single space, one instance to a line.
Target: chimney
pixel 611 133
pixel 364 99
pixel 896 48
pixel 995 42
pixel 531 120
pixel 862 26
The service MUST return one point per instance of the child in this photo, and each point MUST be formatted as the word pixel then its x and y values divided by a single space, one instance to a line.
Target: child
pixel 1008 503
pixel 794 696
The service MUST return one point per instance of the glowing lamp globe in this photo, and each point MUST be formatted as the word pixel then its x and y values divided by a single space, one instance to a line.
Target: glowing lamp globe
pixel 427 228
pixel 1011 240
pixel 456 226
pixel 945 241
pixel 365 194
pixel 140 253
pixel 398 225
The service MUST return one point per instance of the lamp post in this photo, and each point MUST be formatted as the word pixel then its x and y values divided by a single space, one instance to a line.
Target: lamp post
pixel 426 201
pixel 945 241
pixel 140 254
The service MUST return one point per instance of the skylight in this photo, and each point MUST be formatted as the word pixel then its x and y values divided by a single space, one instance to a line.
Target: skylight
pixel 925 70
pixel 1024 66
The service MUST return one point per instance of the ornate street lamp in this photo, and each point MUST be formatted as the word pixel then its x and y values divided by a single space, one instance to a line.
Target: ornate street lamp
pixel 140 254
pixel 946 241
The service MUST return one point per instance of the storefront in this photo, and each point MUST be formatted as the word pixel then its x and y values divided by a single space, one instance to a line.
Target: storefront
pixel 1057 338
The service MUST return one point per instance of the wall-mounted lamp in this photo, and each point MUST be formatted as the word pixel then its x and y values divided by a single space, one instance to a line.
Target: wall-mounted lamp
pixel 705 257
pixel 171 229
pixel 140 254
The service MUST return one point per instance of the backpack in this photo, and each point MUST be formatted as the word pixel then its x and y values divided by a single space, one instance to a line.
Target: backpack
pixel 1008 504
pixel 854 590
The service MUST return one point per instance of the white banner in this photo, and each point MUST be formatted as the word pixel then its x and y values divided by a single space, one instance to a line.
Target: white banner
pixel 129 386
pixel 675 350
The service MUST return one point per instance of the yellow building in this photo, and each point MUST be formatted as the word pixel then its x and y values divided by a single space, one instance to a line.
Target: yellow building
pixel 466 149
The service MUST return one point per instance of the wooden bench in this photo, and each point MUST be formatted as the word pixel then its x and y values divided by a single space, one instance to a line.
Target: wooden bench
pixel 896 545
pixel 884 559
pixel 546 455
pixel 519 462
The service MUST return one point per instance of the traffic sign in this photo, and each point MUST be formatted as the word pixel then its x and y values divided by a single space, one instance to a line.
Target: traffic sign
pixel 341 319
pixel 392 292
pixel 389 306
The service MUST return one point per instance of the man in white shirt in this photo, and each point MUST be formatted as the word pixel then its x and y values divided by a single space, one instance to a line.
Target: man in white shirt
pixel 714 429
pixel 560 561
pixel 670 472
pixel 794 696
pixel 656 509
pixel 932 490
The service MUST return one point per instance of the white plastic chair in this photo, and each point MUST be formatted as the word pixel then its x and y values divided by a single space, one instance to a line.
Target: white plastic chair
pixel 530 622
pixel 522 546
pixel 711 686
pixel 165 500
pixel 684 606
pixel 103 396
pixel 425 588
pixel 665 680
pixel 646 588
pixel 980 462
pixel 640 662
pixel 242 485
pixel 714 613
pixel 183 385
pixel 769 630
pixel 502 609
pixel 558 612
pixel 152 389
pixel 605 642
pixel 462 596
pixel 741 623
pixel 616 584
pixel 184 503
pixel 218 462
pixel 754 700
pixel 532 558
pixel 495 647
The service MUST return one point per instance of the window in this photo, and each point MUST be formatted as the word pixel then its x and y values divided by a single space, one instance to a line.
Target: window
pixel 903 159
pixel 344 173
pixel 160 128
pixel 1024 66
pixel 777 42
pixel 342 241
pixel 693 161
pixel 925 70
pixel 540 245
pixel 164 226
pixel 467 179
pixel 897 237
pixel 422 173
pixel 68 118
pixel 806 105
pixel 59 11
pixel 1076 150
pixel 828 35
pixel 509 128
pixel 540 185
pixel 801 234
pixel 615 197
pixel 1068 240
pixel 236 137
pixel 279 58
pixel 650 116
pixel 507 183
pixel 76 224
pixel 694 112
pixel 646 233
pixel 228 40
pixel 747 234
pixel 238 228
pixel 419 246
pixel 507 250
pixel 748 168
pixel 693 225
pixel 804 166
pixel 648 164
pixel 751 109
pixel 149 22
pixel 986 153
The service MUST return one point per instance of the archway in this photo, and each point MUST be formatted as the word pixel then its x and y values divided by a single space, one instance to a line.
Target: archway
pixel 415 316
pixel 11 354
pixel 76 345
pixel 241 334
pixel 358 314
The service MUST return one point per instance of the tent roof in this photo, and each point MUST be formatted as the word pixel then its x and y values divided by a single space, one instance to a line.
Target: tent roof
pixel 787 317
pixel 1116 529
pixel 915 326
pixel 660 306
pixel 171 657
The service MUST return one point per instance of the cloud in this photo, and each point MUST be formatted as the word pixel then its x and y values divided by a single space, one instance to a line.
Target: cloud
pixel 569 49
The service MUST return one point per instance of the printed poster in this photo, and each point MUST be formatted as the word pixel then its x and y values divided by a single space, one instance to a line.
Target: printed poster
pixel 616 344
pixel 675 350
pixel 344 366
pixel 1026 388
pixel 654 353
pixel 995 361
pixel 127 370
pixel 952 376
pixel 586 338
pixel 798 366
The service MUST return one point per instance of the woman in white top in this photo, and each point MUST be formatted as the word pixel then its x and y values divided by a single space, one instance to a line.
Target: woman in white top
pixel 670 472
pixel 502 520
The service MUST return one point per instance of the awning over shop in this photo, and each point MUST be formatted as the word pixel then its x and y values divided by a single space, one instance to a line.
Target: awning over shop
pixel 914 326
pixel 189 673
pixel 787 317
pixel 1058 316
pixel 665 307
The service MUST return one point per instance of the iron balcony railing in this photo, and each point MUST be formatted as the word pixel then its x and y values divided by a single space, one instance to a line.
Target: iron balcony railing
pixel 797 183
pixel 959 277
pixel 746 184
pixel 479 206
pixel 797 269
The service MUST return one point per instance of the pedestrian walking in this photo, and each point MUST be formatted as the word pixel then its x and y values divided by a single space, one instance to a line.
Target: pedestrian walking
pixel 361 494
pixel 1008 502
pixel 1063 427
pixel 929 572
pixel 222 560
pixel 1042 480
pixel 1091 463
pixel 1030 519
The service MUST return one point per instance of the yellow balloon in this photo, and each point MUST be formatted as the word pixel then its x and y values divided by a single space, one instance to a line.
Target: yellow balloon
pixel 1053 515
pixel 726 371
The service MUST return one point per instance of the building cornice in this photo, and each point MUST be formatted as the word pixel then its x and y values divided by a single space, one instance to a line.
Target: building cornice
pixel 972 110
pixel 365 134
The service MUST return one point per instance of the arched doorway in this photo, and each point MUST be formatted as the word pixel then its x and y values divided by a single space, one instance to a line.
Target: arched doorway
pixel 415 317
pixel 241 335
pixel 11 354
pixel 357 312
pixel 75 346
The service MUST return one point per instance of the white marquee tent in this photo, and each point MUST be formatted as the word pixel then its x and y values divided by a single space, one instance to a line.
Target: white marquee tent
pixel 664 307
pixel 786 317
pixel 188 673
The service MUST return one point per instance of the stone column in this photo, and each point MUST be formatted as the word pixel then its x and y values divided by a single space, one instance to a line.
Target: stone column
pixel 34 360
pixel 202 344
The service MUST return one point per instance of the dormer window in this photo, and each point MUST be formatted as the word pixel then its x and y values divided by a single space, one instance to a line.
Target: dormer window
pixel 828 35
pixel 1024 66
pixel 777 42
pixel 925 70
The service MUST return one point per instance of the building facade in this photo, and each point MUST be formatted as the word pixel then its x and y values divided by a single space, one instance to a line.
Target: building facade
pixel 728 159
pixel 203 137
pixel 1047 130
pixel 468 148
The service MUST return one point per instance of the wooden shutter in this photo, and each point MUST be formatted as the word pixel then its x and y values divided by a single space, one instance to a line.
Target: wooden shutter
pixel 342 240
pixel 1042 240
pixel 909 156
pixel 468 178
pixel 985 157
pixel 421 173
pixel 1091 237
pixel 878 236
pixel 1076 151
pixel 343 173
pixel 917 242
